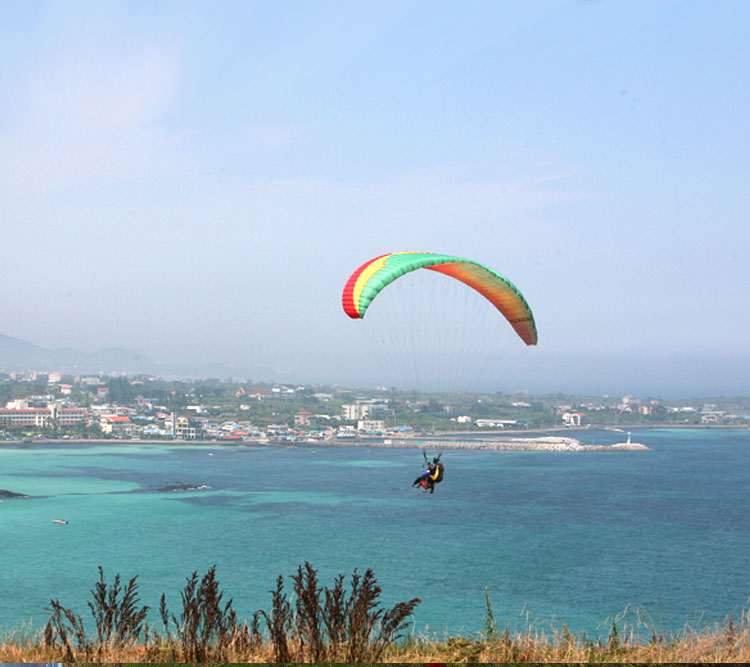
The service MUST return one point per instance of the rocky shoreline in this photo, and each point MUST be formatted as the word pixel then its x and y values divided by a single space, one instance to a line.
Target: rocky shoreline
pixel 548 443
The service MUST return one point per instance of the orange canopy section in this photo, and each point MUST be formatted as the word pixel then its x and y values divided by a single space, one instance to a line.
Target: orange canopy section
pixel 370 279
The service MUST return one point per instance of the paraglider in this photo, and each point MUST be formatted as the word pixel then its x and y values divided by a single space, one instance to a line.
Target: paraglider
pixel 432 474
pixel 368 281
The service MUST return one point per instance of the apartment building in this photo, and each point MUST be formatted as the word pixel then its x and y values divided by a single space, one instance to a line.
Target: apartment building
pixel 53 415
pixel 186 428
pixel 116 425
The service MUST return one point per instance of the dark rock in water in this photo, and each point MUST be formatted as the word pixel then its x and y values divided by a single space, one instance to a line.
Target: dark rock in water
pixel 182 486
pixel 4 493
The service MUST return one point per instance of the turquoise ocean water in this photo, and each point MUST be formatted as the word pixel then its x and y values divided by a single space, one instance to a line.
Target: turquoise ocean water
pixel 553 537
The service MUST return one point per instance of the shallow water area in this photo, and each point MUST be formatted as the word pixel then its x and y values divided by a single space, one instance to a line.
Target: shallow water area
pixel 553 537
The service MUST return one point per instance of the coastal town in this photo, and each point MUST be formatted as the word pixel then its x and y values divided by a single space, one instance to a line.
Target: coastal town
pixel 53 406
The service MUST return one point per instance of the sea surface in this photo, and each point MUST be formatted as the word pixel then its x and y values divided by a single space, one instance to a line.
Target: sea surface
pixel 551 538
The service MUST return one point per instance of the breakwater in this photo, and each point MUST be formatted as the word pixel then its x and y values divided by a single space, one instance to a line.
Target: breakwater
pixel 549 443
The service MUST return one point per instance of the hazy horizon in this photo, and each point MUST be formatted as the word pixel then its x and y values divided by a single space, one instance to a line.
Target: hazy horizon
pixel 615 376
pixel 198 181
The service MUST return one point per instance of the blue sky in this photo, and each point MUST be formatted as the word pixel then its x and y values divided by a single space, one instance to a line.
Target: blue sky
pixel 197 180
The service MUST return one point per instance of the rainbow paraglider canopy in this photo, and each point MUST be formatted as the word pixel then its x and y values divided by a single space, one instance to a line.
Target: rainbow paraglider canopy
pixel 370 279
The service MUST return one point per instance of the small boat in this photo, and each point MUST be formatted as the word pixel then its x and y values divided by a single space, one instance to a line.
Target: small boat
pixel 59 521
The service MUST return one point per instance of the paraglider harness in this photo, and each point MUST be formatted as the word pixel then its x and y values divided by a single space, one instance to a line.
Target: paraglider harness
pixel 432 474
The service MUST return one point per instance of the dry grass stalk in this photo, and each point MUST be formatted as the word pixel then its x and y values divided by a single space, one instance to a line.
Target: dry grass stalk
pixel 329 625
pixel 118 619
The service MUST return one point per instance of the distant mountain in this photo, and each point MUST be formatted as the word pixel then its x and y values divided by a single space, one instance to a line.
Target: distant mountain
pixel 20 355
pixel 15 347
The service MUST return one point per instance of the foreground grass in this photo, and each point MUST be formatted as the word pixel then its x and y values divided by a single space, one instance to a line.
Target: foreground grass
pixel 713 645
pixel 338 624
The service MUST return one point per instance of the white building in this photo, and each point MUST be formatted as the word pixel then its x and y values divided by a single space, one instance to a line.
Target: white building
pixel 304 418
pixel 116 425
pixel 371 425
pixel 495 423
pixel 354 411
pixel 33 417
pixel 52 415
pixel 283 393
pixel 188 429
pixel 574 418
